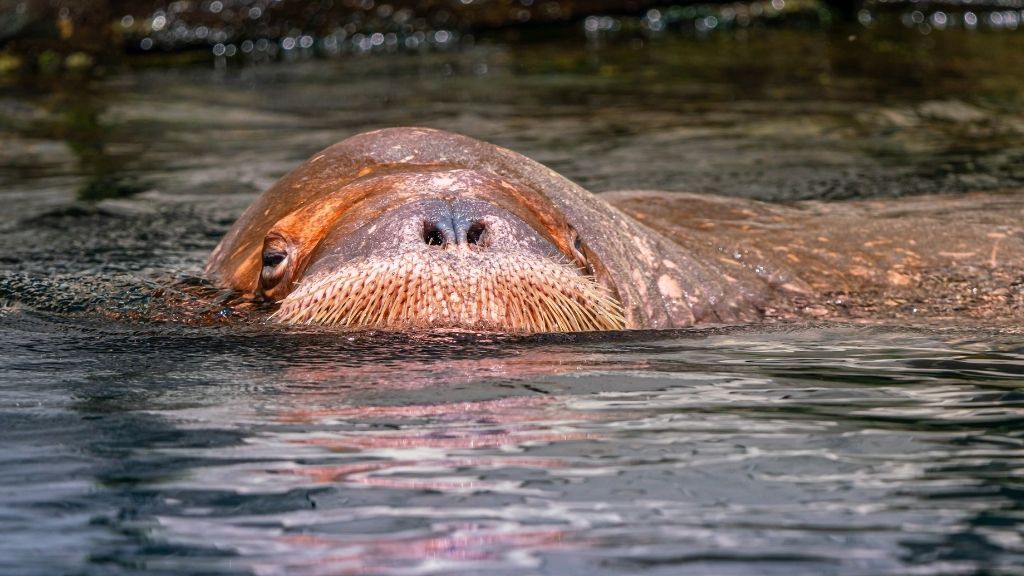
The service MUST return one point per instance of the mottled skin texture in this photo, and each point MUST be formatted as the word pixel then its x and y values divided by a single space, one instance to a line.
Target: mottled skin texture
pixel 930 257
pixel 670 259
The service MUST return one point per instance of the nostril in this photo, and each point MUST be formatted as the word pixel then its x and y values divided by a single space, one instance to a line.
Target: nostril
pixel 477 233
pixel 432 235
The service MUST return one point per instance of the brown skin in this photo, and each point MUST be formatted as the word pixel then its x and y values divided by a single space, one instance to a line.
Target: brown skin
pixel 468 211
pixel 924 258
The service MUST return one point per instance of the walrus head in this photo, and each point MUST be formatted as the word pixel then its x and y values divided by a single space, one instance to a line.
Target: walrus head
pixel 429 249
pixel 413 228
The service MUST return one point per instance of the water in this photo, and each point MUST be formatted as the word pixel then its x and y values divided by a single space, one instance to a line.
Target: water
pixel 134 444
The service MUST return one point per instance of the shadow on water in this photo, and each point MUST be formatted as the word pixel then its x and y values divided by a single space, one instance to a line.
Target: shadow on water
pixel 74 108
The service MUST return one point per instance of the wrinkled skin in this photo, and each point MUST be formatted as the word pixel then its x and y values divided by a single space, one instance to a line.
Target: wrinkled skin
pixel 923 259
pixel 446 218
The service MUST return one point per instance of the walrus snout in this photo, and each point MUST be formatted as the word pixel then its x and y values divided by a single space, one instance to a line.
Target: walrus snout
pixel 456 225
pixel 448 225
pixel 455 232
pixel 458 262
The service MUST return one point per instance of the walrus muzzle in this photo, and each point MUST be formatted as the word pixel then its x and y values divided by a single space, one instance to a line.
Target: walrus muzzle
pixel 455 288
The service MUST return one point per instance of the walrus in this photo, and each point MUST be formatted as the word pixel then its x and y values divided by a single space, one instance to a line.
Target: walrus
pixel 416 228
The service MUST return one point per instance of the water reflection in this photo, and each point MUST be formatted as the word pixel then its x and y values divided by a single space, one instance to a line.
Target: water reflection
pixel 73 112
pixel 839 450
pixel 826 450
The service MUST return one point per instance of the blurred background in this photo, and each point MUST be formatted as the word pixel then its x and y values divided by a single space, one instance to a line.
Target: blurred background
pixel 262 29
pixel 779 99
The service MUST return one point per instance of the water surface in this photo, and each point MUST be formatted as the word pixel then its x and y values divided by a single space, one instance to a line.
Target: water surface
pixel 138 446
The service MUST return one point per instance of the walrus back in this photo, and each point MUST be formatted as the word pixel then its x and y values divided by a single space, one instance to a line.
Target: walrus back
pixel 921 257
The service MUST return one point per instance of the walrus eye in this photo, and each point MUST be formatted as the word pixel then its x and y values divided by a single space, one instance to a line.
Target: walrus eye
pixel 273 259
pixel 275 274
pixel 577 247
pixel 579 251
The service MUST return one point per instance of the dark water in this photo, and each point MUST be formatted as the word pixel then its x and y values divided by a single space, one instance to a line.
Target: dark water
pixel 130 446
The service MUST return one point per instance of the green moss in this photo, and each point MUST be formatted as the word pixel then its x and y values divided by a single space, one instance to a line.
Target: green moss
pixel 49 62
pixel 79 61
pixel 9 63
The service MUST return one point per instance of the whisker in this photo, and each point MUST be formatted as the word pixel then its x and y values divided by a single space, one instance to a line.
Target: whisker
pixel 503 292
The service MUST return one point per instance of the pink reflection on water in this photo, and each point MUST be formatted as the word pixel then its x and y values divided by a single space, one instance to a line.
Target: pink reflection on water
pixel 462 543
pixel 505 410
pixel 431 445
pixel 473 426
pixel 358 473
pixel 326 377
pixel 460 439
